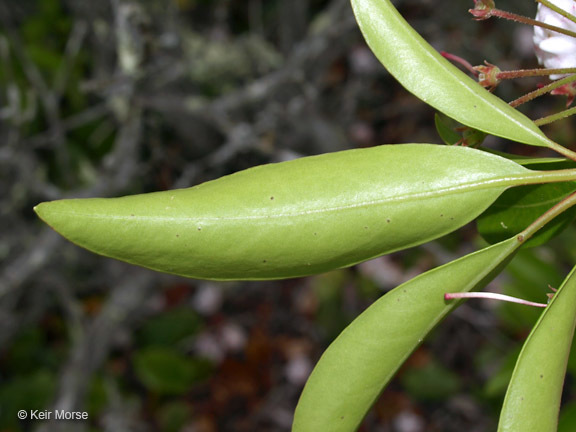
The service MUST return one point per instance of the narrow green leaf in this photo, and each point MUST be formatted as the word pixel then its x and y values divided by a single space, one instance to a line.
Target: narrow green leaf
pixel 532 402
pixel 294 218
pixel 445 128
pixel 361 361
pixel 543 163
pixel 432 78
pixel 453 132
pixel 517 208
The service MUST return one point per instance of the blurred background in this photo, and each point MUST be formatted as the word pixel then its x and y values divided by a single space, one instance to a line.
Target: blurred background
pixel 115 97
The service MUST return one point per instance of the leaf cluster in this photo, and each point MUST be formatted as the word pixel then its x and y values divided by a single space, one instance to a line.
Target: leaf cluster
pixel 326 212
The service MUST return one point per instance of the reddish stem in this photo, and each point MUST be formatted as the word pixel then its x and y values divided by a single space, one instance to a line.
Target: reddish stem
pixel 459 60
pixel 525 20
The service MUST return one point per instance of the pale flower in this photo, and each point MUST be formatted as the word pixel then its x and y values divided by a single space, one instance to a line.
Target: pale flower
pixel 555 50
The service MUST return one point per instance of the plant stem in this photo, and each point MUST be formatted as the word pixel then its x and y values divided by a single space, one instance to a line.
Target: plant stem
pixel 525 20
pixel 525 73
pixel 554 117
pixel 493 296
pixel 558 209
pixel 543 90
pixel 542 177
pixel 460 61
pixel 562 150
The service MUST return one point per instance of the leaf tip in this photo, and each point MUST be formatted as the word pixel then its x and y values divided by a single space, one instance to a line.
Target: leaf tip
pixel 45 211
pixel 39 209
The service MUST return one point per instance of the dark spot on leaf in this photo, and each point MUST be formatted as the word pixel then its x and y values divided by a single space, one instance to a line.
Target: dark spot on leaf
pixel 541 376
pixel 271 198
pixel 264 261
pixel 177 235
pixel 388 220
pixel 365 227
pixel 199 228
pixel 441 214
pixel 132 215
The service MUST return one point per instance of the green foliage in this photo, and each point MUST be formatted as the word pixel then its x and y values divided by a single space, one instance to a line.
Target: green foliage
pixel 29 375
pixel 294 218
pixel 517 208
pixel 322 213
pixel 530 276
pixel 369 351
pixel 495 387
pixel 452 132
pixel 97 396
pixel 166 371
pixel 328 288
pixel 173 416
pixel 27 392
pixel 432 78
pixel 169 328
pixel 537 381
pixel 567 422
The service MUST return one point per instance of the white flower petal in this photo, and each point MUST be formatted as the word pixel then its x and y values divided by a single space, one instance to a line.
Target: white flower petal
pixel 555 50
pixel 559 45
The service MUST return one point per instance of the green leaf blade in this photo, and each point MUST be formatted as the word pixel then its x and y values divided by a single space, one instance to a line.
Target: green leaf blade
pixel 369 351
pixel 517 208
pixel 533 398
pixel 433 79
pixel 294 218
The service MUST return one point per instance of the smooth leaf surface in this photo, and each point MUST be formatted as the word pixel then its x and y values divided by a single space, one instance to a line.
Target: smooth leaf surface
pixel 452 132
pixel 356 367
pixel 517 208
pixel 432 78
pixel 293 218
pixel 544 163
pixel 445 128
pixel 533 398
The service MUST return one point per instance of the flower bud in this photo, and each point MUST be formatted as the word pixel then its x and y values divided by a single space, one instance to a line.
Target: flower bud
pixel 568 90
pixel 555 50
pixel 488 75
pixel 482 9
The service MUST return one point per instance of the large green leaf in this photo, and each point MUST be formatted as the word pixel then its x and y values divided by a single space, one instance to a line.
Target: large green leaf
pixel 355 368
pixel 294 218
pixel 429 76
pixel 533 398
